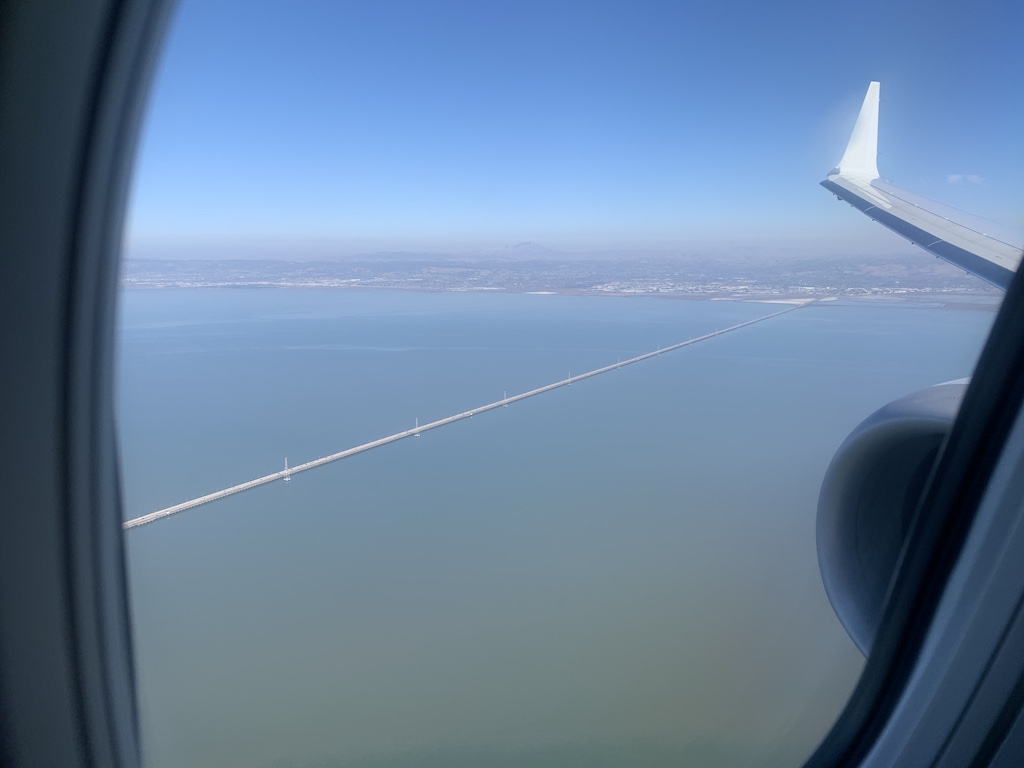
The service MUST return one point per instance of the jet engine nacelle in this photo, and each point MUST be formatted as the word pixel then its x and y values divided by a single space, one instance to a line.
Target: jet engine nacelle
pixel 868 499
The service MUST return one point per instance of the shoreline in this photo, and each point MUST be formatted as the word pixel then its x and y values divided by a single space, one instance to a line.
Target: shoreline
pixel 935 298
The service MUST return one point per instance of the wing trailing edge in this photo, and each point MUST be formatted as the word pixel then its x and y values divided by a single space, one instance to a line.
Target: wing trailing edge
pixel 983 248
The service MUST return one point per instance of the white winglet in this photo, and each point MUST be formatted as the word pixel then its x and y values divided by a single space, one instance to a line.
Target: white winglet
pixel 861 156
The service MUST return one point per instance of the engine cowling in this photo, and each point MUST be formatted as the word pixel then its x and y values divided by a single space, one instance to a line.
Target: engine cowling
pixel 868 498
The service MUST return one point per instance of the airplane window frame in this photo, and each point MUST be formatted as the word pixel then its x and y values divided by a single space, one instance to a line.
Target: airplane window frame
pixel 73 81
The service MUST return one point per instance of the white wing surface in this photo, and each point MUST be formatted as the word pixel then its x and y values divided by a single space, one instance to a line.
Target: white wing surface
pixel 982 247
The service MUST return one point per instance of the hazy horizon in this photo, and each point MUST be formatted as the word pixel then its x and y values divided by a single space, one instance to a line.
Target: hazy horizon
pixel 311 249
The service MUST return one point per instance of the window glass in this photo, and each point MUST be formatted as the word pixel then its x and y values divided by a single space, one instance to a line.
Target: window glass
pixel 351 221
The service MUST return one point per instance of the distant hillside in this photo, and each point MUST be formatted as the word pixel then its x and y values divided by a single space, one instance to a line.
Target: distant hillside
pixel 530 267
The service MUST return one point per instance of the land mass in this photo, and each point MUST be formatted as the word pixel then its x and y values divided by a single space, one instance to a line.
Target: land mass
pixel 528 267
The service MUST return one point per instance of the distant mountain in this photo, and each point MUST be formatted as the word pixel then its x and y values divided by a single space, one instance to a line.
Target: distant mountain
pixel 403 256
pixel 525 251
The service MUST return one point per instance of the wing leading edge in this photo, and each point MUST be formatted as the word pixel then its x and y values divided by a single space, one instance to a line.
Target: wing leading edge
pixel 981 247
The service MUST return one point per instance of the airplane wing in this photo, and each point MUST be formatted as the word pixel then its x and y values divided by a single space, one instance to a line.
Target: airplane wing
pixel 983 248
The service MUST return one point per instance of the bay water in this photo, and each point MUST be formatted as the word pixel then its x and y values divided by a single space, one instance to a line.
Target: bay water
pixel 617 573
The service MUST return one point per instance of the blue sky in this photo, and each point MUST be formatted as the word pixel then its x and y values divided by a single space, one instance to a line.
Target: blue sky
pixel 311 129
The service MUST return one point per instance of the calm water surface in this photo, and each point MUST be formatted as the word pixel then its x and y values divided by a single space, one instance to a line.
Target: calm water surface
pixel 617 573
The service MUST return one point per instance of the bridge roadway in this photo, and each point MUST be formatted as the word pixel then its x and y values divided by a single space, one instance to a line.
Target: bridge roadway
pixel 287 473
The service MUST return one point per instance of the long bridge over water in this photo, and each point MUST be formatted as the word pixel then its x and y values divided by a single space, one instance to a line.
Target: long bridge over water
pixel 287 473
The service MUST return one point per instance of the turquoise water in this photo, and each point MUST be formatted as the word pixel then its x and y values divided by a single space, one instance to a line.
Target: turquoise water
pixel 621 572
